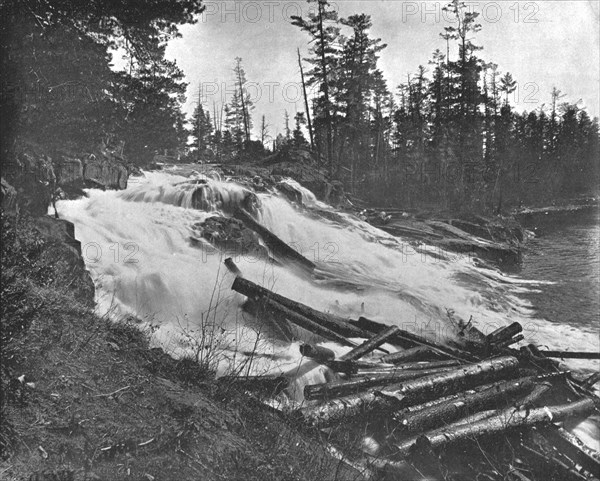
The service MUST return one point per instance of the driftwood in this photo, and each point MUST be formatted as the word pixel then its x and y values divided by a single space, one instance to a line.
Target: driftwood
pixel 318 353
pixel 468 402
pixel 334 323
pixel 279 248
pixel 505 421
pixel 418 353
pixel 345 388
pixel 370 344
pixel 407 393
pixel 408 339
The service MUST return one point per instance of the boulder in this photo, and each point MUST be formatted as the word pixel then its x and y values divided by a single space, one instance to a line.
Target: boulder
pixel 231 236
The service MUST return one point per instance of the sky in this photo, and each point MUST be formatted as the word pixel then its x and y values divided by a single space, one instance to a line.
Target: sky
pixel 541 43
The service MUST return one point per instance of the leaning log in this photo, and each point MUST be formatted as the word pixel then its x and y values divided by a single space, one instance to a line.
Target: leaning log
pixel 279 311
pixel 330 321
pixel 408 339
pixel 456 380
pixel 468 402
pixel 507 420
pixel 370 344
pixel 279 248
pixel 344 388
pixel 407 393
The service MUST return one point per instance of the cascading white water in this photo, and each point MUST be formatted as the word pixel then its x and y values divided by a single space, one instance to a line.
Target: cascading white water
pixel 136 244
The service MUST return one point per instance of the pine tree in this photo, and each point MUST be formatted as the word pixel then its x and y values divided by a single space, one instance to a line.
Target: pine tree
pixel 323 31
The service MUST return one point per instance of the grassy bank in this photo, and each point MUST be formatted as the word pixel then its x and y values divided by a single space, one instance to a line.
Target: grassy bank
pixel 85 398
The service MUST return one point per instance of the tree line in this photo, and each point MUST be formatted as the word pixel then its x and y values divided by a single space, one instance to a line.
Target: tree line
pixel 446 134
pixel 450 134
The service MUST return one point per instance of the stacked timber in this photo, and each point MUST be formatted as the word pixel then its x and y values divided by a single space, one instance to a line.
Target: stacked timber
pixel 422 403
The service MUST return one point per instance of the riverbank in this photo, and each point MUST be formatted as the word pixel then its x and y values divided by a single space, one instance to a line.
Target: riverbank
pixel 84 398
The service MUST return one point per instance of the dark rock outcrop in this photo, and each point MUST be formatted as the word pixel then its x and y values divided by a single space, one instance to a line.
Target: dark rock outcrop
pixel 38 178
pixel 231 236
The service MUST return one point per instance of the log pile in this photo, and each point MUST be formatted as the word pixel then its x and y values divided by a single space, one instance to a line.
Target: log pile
pixel 428 401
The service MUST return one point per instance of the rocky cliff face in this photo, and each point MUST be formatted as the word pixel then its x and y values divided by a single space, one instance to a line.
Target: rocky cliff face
pixel 37 178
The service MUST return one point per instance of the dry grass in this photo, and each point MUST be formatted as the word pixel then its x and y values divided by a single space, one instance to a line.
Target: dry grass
pixel 96 403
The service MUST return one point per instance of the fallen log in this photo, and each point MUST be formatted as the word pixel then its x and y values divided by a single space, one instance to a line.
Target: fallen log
pixel 279 311
pixel 571 446
pixel 344 388
pixel 424 364
pixel 338 410
pixel 408 339
pixel 571 354
pixel 468 402
pixel 279 248
pixel 505 421
pixel 504 333
pixel 418 353
pixel 318 353
pixel 370 344
pixel 330 321
pixel 456 380
pixel 407 393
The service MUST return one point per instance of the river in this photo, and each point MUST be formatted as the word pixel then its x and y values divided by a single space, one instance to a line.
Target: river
pixel 137 246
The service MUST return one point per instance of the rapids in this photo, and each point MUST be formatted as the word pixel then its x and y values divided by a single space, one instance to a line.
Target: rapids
pixel 136 244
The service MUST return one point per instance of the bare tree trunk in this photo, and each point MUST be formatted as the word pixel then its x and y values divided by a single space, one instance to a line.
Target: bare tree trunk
pixel 310 129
